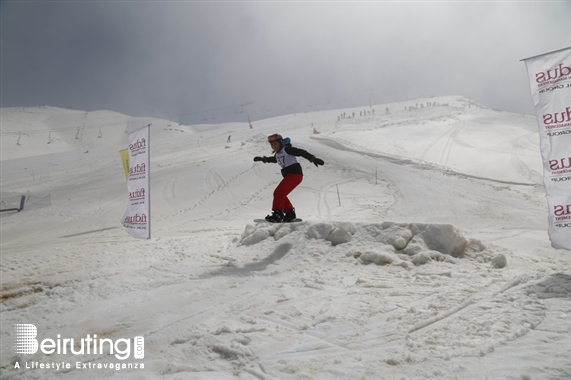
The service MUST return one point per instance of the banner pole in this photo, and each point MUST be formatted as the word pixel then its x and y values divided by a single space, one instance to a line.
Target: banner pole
pixel 541 55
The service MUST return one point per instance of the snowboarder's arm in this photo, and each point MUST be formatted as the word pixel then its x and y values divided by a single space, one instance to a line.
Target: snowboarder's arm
pixel 266 159
pixel 303 153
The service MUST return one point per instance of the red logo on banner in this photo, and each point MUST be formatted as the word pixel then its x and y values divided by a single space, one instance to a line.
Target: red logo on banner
pixel 138 145
pixel 137 194
pixel 554 75
pixel 557 119
pixel 560 164
pixel 136 219
pixel 562 212
pixel 137 169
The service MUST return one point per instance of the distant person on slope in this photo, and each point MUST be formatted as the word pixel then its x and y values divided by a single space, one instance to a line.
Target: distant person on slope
pixel 285 156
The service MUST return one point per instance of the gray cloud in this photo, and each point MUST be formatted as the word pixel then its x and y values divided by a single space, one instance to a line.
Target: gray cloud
pixel 200 60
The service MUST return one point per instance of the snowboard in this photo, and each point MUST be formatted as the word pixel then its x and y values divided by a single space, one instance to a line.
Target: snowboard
pixel 265 221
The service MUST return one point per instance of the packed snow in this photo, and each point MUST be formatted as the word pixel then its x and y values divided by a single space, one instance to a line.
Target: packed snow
pixel 423 252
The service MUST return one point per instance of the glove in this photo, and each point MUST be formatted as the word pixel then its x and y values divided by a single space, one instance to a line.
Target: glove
pixel 258 158
pixel 317 161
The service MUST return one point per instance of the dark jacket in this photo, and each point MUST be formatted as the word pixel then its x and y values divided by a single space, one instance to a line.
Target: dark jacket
pixel 295 168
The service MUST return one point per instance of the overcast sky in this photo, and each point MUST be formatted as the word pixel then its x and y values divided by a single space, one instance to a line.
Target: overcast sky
pixel 196 60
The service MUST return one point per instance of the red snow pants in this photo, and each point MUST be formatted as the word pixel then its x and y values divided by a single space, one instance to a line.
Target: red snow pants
pixel 286 186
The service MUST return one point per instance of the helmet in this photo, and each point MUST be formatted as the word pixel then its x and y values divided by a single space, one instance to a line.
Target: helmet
pixel 275 137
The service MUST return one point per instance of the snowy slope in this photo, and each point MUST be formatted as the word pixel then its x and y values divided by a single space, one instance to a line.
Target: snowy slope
pixel 423 252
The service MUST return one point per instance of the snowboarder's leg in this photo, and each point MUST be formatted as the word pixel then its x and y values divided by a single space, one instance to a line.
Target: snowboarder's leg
pixel 286 186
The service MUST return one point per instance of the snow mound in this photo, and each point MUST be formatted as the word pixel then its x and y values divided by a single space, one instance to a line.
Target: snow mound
pixel 381 243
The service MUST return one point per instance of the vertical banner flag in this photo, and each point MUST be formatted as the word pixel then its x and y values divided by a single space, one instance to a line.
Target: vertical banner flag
pixel 137 218
pixel 550 81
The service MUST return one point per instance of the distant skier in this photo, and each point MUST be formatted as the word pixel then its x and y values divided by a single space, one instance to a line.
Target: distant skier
pixel 285 155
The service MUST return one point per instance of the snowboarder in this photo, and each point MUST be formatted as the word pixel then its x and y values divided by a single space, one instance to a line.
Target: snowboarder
pixel 285 155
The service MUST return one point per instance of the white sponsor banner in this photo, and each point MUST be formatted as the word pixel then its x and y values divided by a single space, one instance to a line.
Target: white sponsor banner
pixel 550 81
pixel 137 218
